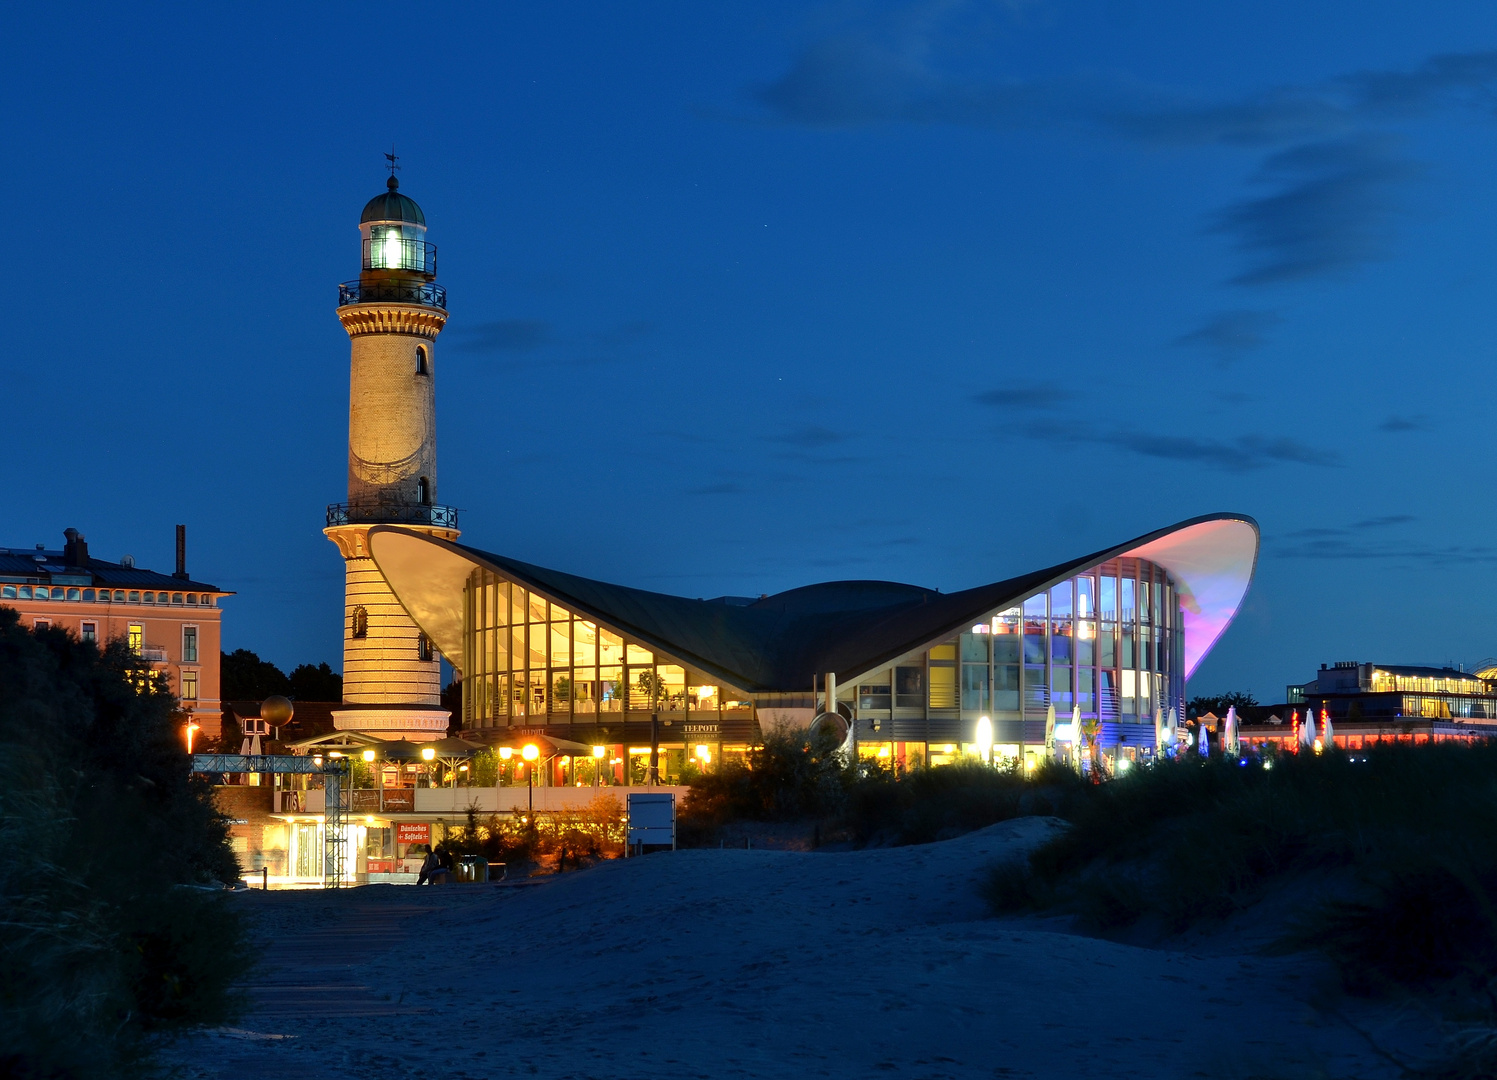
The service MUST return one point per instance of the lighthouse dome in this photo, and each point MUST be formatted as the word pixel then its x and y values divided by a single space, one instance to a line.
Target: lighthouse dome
pixel 392 206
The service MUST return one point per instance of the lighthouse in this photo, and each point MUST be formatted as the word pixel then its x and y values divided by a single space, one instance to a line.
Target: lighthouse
pixel 393 313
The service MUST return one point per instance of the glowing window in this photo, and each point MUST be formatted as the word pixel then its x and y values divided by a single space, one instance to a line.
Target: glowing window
pixel 360 622
pixel 137 637
pixel 189 686
pixel 421 365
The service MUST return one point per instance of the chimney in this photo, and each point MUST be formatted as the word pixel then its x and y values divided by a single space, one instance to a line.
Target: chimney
pixel 181 552
pixel 75 549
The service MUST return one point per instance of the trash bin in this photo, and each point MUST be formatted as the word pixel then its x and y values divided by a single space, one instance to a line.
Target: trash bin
pixel 472 868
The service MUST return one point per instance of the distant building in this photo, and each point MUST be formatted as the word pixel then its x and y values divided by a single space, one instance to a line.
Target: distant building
pixel 1368 703
pixel 170 620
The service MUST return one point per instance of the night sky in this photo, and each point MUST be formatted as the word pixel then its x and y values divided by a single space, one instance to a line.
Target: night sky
pixel 748 297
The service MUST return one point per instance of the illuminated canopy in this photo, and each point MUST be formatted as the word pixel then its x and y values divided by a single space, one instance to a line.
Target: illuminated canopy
pixel 782 642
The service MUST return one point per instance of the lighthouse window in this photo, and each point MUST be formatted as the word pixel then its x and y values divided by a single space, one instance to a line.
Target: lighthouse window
pixel 423 648
pixel 360 622
pixel 421 368
pixel 423 488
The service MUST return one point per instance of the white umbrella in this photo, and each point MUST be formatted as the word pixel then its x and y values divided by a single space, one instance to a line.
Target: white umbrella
pixel 1326 733
pixel 1078 738
pixel 1203 741
pixel 1050 730
pixel 1229 731
pixel 1307 731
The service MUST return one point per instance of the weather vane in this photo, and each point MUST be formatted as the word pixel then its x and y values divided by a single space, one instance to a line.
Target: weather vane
pixel 390 157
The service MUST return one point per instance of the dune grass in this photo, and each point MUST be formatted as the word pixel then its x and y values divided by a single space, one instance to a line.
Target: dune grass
pixel 1414 827
pixel 792 777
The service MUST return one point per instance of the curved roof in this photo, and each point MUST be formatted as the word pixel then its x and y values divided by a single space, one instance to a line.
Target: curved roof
pixel 392 206
pixel 780 642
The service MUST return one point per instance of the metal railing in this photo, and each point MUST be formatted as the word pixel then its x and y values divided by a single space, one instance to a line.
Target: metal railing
pixel 391 514
pixel 425 293
pixel 399 253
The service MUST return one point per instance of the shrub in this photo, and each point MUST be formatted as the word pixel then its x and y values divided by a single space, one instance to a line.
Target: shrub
pixel 106 936
pixel 1188 840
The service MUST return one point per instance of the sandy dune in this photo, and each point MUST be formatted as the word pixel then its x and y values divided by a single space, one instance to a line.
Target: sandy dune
pixel 765 963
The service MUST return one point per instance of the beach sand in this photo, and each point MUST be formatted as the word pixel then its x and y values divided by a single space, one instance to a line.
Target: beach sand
pixel 734 963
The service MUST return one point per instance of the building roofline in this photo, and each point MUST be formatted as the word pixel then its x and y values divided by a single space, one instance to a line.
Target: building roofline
pixel 780 643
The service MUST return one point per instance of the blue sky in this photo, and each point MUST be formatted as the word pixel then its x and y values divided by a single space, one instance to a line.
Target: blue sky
pixel 744 297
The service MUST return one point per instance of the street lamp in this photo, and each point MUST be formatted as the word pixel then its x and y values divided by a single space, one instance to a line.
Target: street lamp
pixel 985 738
pixel 191 730
pixel 598 752
pixel 530 753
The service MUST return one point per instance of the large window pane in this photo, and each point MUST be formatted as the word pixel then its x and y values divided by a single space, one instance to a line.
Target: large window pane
pixel 638 654
pixel 943 687
pixel 610 647
pixel 975 648
pixel 611 682
pixel 874 696
pixel 1060 688
pixel 1006 637
pixel 1060 601
pixel 1036 690
pixel 1006 687
pixel 561 644
pixel 909 687
pixel 1109 703
pixel 1085 642
pixel 1108 646
pixel 1109 597
pixel 1085 600
pixel 584 643
pixel 1086 694
pixel 975 687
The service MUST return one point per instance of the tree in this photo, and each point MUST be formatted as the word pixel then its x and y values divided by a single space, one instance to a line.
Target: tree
pixel 320 683
pixel 245 677
pixel 1219 704
pixel 101 943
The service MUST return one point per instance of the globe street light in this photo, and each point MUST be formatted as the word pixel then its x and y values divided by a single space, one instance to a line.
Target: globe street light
pixel 530 753
pixel 985 738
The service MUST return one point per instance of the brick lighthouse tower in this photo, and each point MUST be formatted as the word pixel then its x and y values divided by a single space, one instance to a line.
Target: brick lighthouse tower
pixel 393 314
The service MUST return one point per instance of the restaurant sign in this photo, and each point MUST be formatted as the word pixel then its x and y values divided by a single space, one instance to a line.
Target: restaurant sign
pixel 411 832
pixel 701 729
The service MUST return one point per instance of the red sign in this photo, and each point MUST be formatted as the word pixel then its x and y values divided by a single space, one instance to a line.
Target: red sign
pixel 409 832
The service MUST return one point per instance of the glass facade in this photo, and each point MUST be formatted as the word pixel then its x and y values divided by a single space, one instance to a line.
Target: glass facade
pixel 1109 642
pixel 527 663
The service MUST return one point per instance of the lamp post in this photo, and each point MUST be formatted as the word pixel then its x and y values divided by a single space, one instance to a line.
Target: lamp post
pixel 985 739
pixel 192 729
pixel 598 752
pixel 530 753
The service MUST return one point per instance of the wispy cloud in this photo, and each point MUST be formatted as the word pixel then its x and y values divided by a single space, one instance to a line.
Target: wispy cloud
pixel 1327 212
pixel 1370 539
pixel 1230 334
pixel 1332 171
pixel 506 335
pixel 810 437
pixel 1244 453
pixel 1032 396
pixel 1398 424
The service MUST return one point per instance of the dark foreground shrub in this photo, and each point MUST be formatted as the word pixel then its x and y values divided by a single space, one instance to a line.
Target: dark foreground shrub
pixel 112 926
pixel 1189 840
pixel 948 800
